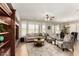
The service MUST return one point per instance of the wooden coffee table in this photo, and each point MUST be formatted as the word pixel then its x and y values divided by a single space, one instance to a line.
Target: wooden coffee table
pixel 39 41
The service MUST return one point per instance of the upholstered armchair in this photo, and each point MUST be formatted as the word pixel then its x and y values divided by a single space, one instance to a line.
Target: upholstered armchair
pixel 66 43
pixel 49 38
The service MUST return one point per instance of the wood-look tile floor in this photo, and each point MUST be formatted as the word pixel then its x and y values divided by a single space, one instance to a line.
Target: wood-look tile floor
pixel 46 50
pixel 28 49
pixel 21 50
pixel 76 49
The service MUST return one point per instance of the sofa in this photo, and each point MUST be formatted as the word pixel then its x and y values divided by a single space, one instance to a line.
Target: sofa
pixel 30 37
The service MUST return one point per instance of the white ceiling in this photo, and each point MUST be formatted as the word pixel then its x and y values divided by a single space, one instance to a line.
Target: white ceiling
pixel 62 11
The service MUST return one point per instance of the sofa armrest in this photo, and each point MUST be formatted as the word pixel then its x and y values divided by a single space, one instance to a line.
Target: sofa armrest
pixel 59 39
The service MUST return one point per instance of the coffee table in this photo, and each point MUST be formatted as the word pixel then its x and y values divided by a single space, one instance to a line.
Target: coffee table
pixel 39 41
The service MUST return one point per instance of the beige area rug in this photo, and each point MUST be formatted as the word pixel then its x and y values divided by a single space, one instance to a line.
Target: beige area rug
pixel 46 50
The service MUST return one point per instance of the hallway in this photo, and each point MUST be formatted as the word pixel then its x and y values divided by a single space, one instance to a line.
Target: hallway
pixel 28 49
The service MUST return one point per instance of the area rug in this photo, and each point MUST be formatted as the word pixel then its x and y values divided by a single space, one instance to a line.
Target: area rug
pixel 46 50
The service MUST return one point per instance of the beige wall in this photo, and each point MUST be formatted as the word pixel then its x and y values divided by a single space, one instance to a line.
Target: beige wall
pixel 74 27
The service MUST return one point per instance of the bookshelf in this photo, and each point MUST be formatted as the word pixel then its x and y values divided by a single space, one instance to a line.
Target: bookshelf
pixel 7 18
pixel 17 33
pixel 4 33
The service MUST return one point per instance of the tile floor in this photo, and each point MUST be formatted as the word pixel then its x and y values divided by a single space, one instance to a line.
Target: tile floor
pixel 46 50
pixel 28 49
pixel 76 49
pixel 21 50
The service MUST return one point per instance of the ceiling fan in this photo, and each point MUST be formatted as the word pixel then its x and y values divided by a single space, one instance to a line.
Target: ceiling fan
pixel 49 17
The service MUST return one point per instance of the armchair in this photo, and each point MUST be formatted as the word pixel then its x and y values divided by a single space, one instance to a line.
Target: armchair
pixel 66 43
pixel 49 39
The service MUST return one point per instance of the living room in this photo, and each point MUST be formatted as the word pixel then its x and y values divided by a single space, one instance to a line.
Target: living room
pixel 39 30
pixel 51 25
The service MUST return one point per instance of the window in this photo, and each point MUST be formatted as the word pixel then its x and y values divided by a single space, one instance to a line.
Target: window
pixel 33 28
pixel 36 28
pixel 30 28
pixel 23 29
pixel 53 29
pixel 43 28
pixel 57 29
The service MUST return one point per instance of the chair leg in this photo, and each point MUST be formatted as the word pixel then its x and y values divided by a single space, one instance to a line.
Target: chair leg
pixel 63 49
pixel 72 49
pixel 57 45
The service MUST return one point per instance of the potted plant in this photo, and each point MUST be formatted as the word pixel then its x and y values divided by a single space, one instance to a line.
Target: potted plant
pixel 65 29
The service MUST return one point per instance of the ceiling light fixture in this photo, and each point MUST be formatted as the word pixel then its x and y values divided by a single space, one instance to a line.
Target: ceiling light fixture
pixel 49 17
